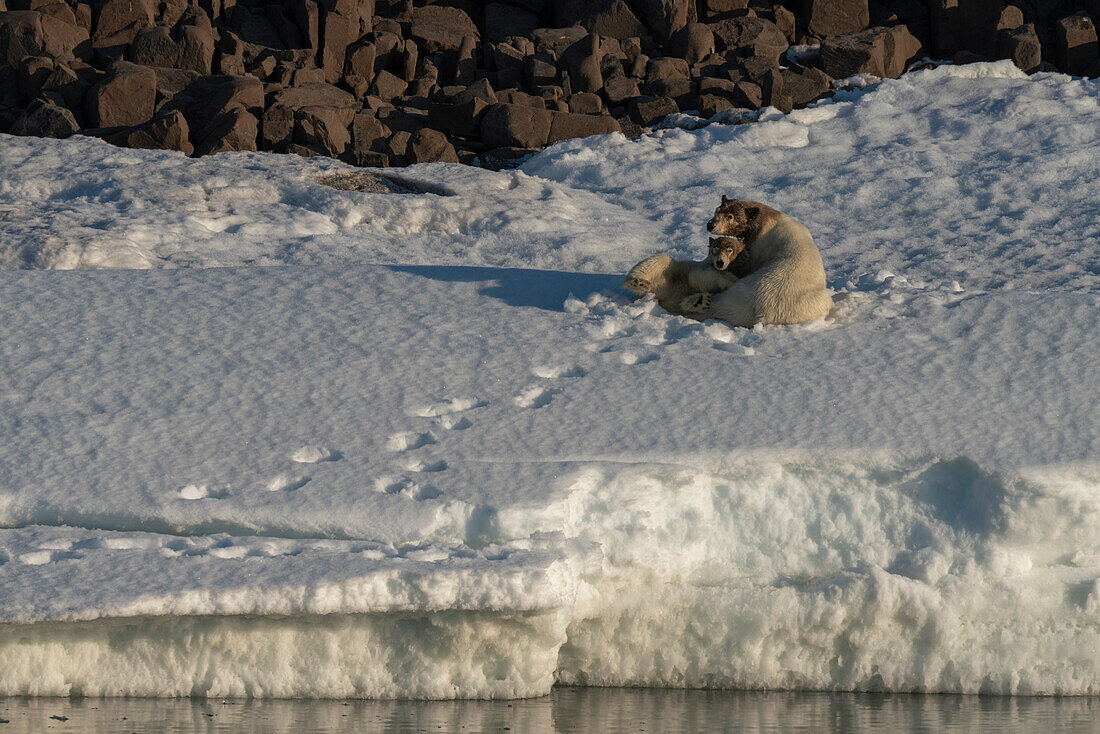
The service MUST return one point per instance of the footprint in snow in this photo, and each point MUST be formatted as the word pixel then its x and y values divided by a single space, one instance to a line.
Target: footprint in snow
pixel 314 455
pixel 428 467
pixel 446 407
pixel 635 358
pixel 455 422
pixel 536 397
pixel 409 440
pixel 548 372
pixel 287 483
pixel 202 492
pixel 407 487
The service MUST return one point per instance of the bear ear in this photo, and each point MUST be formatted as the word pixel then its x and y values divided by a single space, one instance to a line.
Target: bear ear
pixel 725 198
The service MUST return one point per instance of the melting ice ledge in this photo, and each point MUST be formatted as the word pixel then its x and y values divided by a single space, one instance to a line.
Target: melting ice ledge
pixel 219 484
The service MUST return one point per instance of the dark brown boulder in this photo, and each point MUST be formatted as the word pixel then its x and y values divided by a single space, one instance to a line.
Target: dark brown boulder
pixel 183 47
pixel 711 104
pixel 28 33
pixel 611 18
pixel 276 128
pixel 125 98
pixel 368 135
pixel 882 52
pixel 581 61
pixel 117 22
pixel 566 125
pixel 693 42
pixel 750 37
pixel 438 28
pixel 805 86
pixel 319 95
pixel 72 87
pixel 838 17
pixel 322 128
pixel 210 97
pixel 233 130
pixel 388 86
pixel 619 90
pixel 1022 45
pixel 512 125
pixel 338 31
pixel 585 103
pixel 665 17
pixel 430 146
pixel 1077 49
pixel 557 39
pixel 360 61
pixel 502 21
pixel 44 119
pixel 168 131
pixel 646 110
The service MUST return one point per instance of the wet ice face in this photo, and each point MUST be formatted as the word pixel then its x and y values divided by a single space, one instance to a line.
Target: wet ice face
pixel 723 251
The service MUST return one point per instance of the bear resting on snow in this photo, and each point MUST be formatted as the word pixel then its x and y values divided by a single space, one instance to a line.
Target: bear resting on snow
pixel 781 280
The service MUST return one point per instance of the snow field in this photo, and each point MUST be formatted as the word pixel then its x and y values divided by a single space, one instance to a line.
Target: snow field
pixel 450 458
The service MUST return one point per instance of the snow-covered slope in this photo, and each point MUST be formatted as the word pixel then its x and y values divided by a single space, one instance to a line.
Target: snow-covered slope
pixel 437 452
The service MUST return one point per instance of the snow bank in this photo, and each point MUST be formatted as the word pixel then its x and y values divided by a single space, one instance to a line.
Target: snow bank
pixel 450 458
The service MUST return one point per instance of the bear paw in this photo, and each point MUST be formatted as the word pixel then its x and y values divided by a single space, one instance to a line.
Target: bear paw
pixel 697 303
pixel 638 286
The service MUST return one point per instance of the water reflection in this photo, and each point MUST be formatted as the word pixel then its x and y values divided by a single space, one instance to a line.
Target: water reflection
pixel 604 710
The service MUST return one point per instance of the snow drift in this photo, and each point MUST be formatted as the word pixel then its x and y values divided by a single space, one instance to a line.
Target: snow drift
pixel 437 453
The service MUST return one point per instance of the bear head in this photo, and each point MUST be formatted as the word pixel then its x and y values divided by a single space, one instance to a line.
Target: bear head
pixel 729 254
pixel 740 218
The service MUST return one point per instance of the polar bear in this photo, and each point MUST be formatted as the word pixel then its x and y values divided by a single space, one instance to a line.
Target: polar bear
pixel 785 285
pixel 671 281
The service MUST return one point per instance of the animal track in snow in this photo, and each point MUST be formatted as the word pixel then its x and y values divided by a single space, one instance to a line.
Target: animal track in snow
pixel 428 467
pixel 446 407
pixel 408 488
pixel 455 423
pixel 202 492
pixel 314 455
pixel 409 440
pixel 635 358
pixel 46 555
pixel 286 483
pixel 536 397
pixel 548 372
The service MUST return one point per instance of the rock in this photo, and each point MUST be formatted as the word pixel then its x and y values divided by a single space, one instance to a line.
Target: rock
pixel 338 31
pixel 882 52
pixel 33 71
pixel 540 69
pixel 585 103
pixel 665 17
pixel 254 27
pixel 232 130
pixel 1077 50
pixel 438 28
pixel 118 21
pixel 67 83
pixel 360 61
pixel 805 87
pixel 693 42
pixel 388 86
pixel 209 97
pixel 465 67
pixel 396 146
pixel 368 135
pixel 502 21
pixel 45 120
pixel 838 17
pixel 964 25
pixel 407 62
pixel 711 104
pixel 566 125
pixel 513 125
pixel 557 39
pixel 460 118
pixel 168 131
pixel 666 67
pixel 429 146
pixel 307 17
pixel 581 62
pixel 751 37
pixel 125 98
pixel 320 95
pixel 645 111
pixel 28 33
pixel 718 9
pixel 612 18
pixel 785 22
pixel 748 95
pixel 620 89
pixel 183 47
pixel 322 128
pixel 1022 45
pixel 1010 19
pixel 276 128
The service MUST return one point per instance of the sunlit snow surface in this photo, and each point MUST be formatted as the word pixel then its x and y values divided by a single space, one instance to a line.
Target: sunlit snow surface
pixel 437 453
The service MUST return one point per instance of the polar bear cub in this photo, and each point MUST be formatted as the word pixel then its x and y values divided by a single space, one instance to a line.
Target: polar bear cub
pixel 785 284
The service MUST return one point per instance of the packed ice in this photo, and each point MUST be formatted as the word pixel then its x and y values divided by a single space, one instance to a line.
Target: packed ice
pixel 434 450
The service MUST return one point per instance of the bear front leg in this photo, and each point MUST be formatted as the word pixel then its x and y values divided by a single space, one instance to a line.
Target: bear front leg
pixel 650 275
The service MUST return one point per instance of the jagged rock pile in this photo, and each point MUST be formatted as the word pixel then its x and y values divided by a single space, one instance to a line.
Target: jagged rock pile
pixel 388 82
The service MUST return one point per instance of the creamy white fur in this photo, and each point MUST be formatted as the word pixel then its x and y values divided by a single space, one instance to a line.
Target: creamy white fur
pixel 786 285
